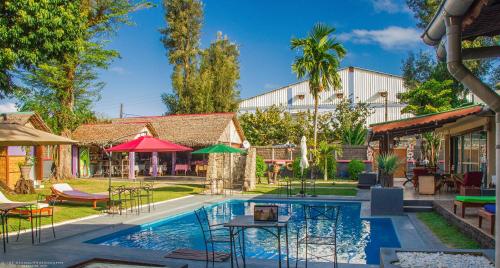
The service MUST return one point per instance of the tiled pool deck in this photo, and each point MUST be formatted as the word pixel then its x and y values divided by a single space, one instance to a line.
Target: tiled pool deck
pixel 69 249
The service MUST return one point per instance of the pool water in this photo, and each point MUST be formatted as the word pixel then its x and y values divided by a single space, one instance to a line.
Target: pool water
pixel 359 239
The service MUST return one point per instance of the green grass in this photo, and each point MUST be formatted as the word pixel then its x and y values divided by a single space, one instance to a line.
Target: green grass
pixel 449 234
pixel 321 189
pixel 69 210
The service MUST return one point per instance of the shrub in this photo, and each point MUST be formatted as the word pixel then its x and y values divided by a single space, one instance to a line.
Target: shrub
pixel 260 167
pixel 354 168
pixel 296 168
pixel 332 167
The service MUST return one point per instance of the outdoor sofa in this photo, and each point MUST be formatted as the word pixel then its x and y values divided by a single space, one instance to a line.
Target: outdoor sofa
pixel 471 201
pixel 488 213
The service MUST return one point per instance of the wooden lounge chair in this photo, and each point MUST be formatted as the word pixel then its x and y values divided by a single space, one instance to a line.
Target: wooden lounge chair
pixel 64 192
pixel 471 201
pixel 488 213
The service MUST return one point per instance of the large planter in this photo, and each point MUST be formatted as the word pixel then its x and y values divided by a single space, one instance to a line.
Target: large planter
pixel 386 201
pixel 387 180
pixel 25 171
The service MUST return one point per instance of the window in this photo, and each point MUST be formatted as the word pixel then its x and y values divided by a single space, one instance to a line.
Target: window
pixel 469 152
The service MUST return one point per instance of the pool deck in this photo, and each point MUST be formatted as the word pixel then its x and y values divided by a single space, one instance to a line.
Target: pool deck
pixel 69 249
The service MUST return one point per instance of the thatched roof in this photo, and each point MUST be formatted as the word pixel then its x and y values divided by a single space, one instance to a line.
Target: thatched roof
pixel 193 130
pixel 107 133
pixel 25 118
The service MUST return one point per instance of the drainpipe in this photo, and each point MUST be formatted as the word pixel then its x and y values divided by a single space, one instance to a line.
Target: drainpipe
pixel 490 97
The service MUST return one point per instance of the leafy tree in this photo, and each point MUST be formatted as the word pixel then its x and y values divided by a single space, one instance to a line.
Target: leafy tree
pixel 181 38
pixel 62 90
pixel 424 11
pixel 319 60
pixel 348 115
pixel 260 168
pixel 355 135
pixel 203 80
pixel 430 97
pixel 33 32
pixel 270 126
pixel 220 71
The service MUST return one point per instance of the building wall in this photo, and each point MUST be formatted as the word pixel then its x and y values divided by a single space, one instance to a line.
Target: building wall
pixel 358 84
pixel 231 135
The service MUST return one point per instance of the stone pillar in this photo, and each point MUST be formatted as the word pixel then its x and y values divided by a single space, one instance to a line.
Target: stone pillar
pixel 155 163
pixel 174 156
pixel 131 165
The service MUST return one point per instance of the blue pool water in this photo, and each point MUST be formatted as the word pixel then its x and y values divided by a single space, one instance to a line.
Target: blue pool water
pixel 359 239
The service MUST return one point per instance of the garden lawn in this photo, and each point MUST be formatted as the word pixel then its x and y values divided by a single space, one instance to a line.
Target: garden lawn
pixel 321 189
pixel 69 210
pixel 449 234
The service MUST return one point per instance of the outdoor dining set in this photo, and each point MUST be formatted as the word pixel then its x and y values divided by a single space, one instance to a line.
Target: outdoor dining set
pixel 275 221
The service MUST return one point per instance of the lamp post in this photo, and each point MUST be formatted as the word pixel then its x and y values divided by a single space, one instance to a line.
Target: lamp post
pixel 384 95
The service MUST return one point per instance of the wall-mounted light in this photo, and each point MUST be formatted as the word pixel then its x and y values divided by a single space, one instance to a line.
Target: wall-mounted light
pixel 301 96
pixel 339 95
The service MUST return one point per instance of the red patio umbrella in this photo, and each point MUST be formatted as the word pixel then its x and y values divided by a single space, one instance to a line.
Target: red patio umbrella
pixel 148 144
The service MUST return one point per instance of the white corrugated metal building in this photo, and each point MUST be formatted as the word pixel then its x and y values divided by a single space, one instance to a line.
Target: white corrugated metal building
pixel 358 84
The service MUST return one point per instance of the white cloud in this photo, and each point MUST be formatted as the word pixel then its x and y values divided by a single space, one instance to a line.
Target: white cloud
pixel 118 70
pixel 393 37
pixel 8 107
pixel 390 6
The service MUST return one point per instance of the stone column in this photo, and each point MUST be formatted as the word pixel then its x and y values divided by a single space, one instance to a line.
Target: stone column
pixel 131 165
pixel 155 164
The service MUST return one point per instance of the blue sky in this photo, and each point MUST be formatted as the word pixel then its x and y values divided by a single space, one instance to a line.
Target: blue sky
pixel 376 33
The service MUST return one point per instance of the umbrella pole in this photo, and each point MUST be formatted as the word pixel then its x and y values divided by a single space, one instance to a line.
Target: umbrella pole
pixel 109 181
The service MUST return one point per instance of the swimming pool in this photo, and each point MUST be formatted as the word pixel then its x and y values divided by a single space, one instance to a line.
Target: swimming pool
pixel 359 239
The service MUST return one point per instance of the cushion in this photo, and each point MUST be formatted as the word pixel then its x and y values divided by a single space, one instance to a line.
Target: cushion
pixel 476 199
pixel 491 208
pixel 62 187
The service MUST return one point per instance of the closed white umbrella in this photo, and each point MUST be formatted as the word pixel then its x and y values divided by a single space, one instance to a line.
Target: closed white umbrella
pixel 303 155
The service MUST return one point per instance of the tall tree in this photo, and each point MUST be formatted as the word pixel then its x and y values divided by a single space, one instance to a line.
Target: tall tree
pixel 33 32
pixel 430 97
pixel 421 67
pixel 319 59
pixel 70 83
pixel 424 11
pixel 181 38
pixel 220 71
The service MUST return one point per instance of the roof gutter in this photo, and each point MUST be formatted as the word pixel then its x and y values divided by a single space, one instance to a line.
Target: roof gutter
pixel 449 21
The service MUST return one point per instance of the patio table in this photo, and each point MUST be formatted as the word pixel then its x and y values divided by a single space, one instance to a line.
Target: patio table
pixel 4 210
pixel 246 221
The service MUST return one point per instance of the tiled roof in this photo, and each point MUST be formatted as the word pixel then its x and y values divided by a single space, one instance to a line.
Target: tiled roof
pixel 430 120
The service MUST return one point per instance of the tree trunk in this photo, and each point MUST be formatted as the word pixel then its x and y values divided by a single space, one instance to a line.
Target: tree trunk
pixel 316 100
pixel 64 118
pixel 325 173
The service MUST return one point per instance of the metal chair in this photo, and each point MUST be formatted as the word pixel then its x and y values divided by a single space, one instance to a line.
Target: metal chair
pixel 211 234
pixel 285 184
pixel 44 208
pixel 314 215
pixel 145 190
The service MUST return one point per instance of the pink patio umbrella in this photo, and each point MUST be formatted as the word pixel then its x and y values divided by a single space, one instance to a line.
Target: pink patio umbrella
pixel 146 144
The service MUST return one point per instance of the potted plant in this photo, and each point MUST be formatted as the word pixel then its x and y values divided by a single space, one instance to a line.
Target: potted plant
pixel 24 185
pixel 385 198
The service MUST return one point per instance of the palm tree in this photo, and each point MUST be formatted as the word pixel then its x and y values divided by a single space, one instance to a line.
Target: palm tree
pixel 326 151
pixel 319 60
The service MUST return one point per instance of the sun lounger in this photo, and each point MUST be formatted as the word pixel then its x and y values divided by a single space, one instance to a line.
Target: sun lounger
pixel 63 191
pixel 471 201
pixel 488 213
